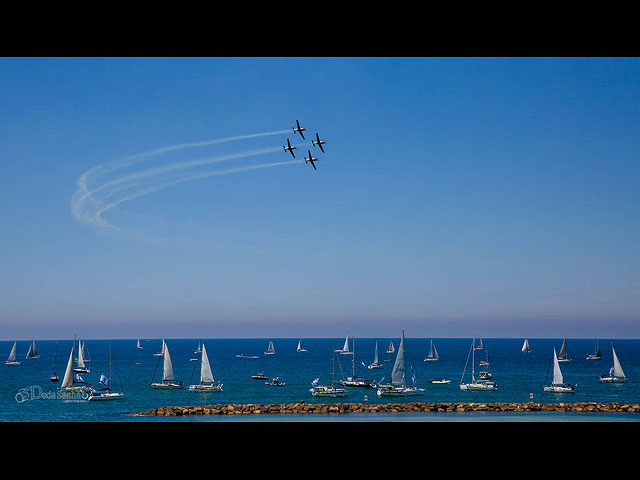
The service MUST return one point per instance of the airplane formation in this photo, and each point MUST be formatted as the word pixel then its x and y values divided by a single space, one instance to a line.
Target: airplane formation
pixel 317 141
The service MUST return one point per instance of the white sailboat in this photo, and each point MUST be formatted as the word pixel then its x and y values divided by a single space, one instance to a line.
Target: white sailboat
pixel 616 374
pixel 391 348
pixel 71 382
pixel 328 390
pixel 596 355
pixel 54 377
pixel 398 384
pixel 207 382
pixel 558 385
pixel 562 355
pixel 345 348
pixel 139 346
pixel 376 363
pixel 525 346
pixel 33 352
pixel 432 356
pixel 81 367
pixel 270 349
pixel 11 359
pixel 478 385
pixel 300 349
pixel 353 380
pixel 168 379
pixel 161 352
pixel 105 393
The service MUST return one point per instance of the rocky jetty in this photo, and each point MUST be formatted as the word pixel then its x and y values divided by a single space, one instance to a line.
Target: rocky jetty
pixel 341 408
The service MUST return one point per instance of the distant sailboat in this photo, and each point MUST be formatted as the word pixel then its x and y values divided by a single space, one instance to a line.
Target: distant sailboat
pixel 562 355
pixel 391 348
pixel 139 346
pixel 479 385
pixel 479 345
pixel 54 377
pixel 398 384
pixel 616 374
pixel 168 379
pixel 81 367
pixel 207 382
pixel 199 349
pixel 596 355
pixel 353 380
pixel 558 385
pixel 105 393
pixel 33 352
pixel 525 346
pixel 345 348
pixel 376 363
pixel 300 349
pixel 161 352
pixel 432 356
pixel 270 349
pixel 11 360
pixel 328 390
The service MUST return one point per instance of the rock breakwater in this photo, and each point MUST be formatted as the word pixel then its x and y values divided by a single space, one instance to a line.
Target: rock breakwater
pixel 413 407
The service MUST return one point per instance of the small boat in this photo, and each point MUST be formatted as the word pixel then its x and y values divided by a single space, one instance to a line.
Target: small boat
pixel 242 355
pixel 558 384
pixel 440 380
pixel 161 352
pixel 105 393
pixel 525 346
pixel 596 355
pixel 32 353
pixel 376 363
pixel 11 359
pixel 168 379
pixel 562 355
pixel 138 345
pixel 207 382
pixel 270 349
pixel 71 382
pixel 328 390
pixel 391 348
pixel 300 349
pixel 275 382
pixel 81 367
pixel 199 348
pixel 432 356
pixel 398 384
pixel 259 376
pixel 616 374
pixel 353 380
pixel 54 377
pixel 345 349
pixel 475 385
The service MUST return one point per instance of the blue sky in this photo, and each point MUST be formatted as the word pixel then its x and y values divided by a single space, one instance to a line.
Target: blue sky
pixel 456 197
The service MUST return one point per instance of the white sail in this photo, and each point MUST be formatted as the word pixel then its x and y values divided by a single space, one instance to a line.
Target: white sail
pixel 167 367
pixel 617 368
pixel 270 350
pixel 68 373
pixel 345 349
pixel 12 353
pixel 563 349
pixel 391 348
pixel 375 355
pixel 525 346
pixel 398 374
pixel 138 345
pixel 206 376
pixel 80 356
pixel 557 373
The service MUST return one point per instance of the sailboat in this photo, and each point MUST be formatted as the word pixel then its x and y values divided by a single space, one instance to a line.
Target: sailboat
pixel 11 359
pixel 615 375
pixel 562 355
pixel 354 381
pixel 432 356
pixel 207 382
pixel 558 385
pixel 71 382
pixel 54 377
pixel 161 352
pixel 329 390
pixel 525 346
pixel 139 346
pixel 479 345
pixel 168 379
pixel 480 385
pixel 300 349
pixel 105 392
pixel 81 367
pixel 391 348
pixel 398 384
pixel 596 355
pixel 270 349
pixel 376 363
pixel 33 352
pixel 345 348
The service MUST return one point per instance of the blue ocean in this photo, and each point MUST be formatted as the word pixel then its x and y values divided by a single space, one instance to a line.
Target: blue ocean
pixel 28 395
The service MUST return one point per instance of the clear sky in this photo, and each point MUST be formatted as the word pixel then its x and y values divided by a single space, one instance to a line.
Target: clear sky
pixel 457 197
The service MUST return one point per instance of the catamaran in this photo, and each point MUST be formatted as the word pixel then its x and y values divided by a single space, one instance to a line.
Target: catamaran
pixel 558 385
pixel 432 356
pixel 11 359
pixel 616 374
pixel 525 346
pixel 105 393
pixel 300 349
pixel 479 385
pixel 353 380
pixel 562 355
pixel 168 379
pixel 270 349
pixel 32 353
pixel 376 363
pixel 398 384
pixel 596 355
pixel 207 382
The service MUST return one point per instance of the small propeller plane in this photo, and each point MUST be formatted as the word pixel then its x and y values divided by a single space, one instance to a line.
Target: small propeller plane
pixel 311 159
pixel 289 148
pixel 319 143
pixel 299 129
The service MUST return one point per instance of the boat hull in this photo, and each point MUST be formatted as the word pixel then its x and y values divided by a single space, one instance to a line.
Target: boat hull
pixel 106 396
pixel 399 391
pixel 612 379
pixel 480 387
pixel 206 388
pixel 167 386
pixel 559 388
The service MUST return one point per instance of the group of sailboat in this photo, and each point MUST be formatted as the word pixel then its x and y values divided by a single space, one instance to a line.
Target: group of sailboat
pixel 480 384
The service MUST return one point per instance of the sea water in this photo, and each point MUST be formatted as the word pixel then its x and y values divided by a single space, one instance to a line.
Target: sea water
pixel 27 394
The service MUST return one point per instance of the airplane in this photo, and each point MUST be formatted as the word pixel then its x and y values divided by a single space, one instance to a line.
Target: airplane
pixel 319 143
pixel 311 159
pixel 290 148
pixel 299 129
